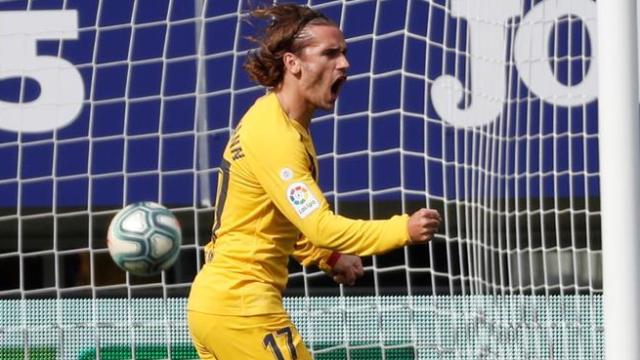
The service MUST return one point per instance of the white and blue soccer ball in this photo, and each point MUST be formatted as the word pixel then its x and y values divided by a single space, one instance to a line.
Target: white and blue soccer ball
pixel 144 238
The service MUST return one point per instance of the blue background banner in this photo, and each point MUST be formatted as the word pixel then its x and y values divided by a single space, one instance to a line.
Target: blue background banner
pixel 137 135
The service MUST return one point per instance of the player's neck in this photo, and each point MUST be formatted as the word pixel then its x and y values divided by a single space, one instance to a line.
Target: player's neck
pixel 294 105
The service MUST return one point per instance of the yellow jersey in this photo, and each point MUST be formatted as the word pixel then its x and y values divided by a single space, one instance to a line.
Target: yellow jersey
pixel 269 207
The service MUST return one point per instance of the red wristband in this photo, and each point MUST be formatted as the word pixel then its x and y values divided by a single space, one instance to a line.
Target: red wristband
pixel 333 258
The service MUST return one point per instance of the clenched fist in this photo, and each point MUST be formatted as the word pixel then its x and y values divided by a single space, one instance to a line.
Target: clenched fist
pixel 422 225
pixel 347 269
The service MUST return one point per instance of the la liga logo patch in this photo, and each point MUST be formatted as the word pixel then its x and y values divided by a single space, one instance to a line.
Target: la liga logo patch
pixel 302 199
pixel 298 195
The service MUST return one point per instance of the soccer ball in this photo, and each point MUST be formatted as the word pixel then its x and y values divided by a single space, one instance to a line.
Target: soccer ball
pixel 144 238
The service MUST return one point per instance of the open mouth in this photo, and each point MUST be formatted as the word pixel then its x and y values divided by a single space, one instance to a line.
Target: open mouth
pixel 337 84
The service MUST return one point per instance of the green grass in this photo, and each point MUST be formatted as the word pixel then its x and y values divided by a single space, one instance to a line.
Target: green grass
pixel 35 353
pixel 186 351
pixel 142 352
pixel 368 354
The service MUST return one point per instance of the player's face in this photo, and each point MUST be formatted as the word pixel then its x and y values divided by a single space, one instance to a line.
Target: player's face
pixel 324 66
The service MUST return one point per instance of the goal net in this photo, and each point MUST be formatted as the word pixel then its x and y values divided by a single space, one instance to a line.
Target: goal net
pixel 483 109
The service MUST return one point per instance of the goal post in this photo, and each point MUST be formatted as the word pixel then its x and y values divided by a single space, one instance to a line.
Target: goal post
pixel 620 175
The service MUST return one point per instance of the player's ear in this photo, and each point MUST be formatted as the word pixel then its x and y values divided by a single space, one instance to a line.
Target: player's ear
pixel 291 63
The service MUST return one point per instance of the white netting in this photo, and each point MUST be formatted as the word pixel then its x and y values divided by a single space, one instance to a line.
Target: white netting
pixel 484 110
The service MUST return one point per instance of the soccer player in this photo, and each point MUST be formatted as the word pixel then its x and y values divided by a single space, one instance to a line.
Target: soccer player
pixel 269 206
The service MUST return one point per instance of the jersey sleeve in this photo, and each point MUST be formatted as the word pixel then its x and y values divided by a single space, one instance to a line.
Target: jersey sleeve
pixel 308 254
pixel 282 166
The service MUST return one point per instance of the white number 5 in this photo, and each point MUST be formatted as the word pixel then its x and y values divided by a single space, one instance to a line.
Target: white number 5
pixel 61 86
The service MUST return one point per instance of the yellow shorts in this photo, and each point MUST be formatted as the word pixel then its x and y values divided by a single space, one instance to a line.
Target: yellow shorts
pixel 260 337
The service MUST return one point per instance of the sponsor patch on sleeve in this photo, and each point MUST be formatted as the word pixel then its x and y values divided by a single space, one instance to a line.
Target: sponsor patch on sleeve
pixel 286 174
pixel 302 199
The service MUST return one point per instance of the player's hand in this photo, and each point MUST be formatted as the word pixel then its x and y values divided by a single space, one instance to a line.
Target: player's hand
pixel 422 225
pixel 347 269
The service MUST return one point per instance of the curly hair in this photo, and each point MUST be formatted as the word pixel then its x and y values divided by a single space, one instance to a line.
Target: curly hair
pixel 286 32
